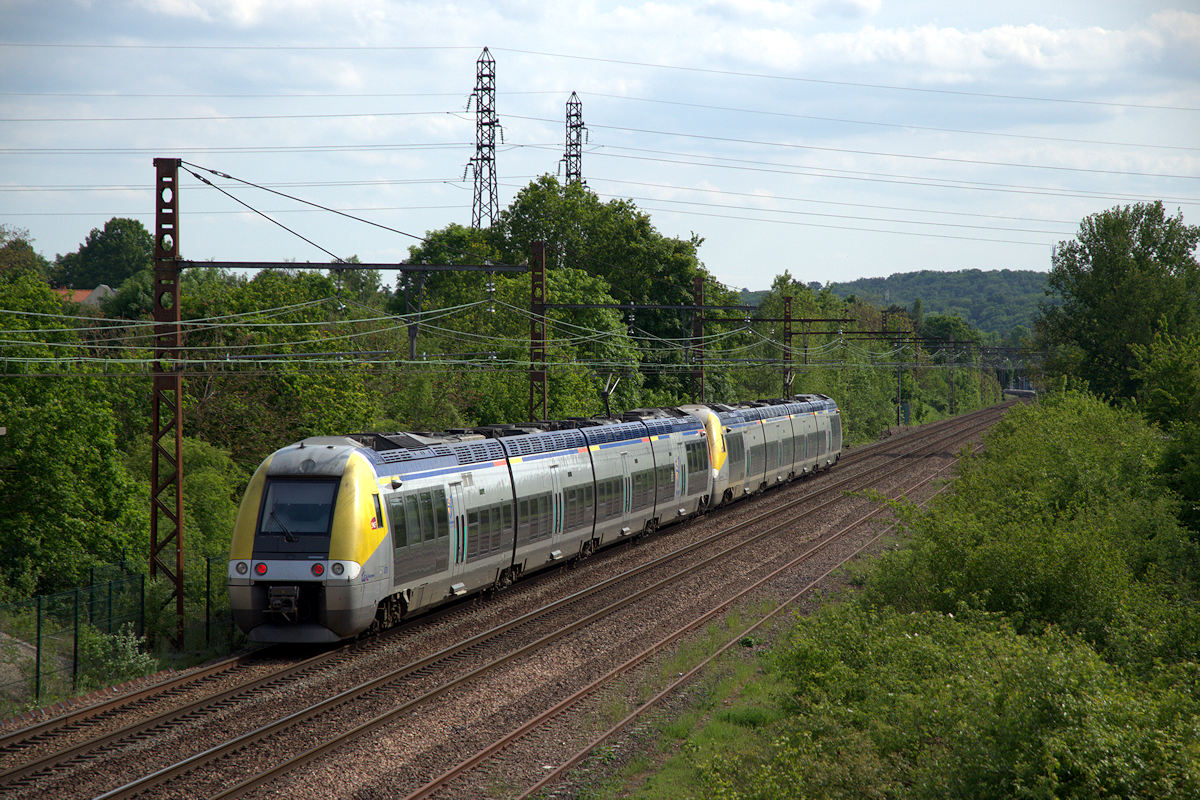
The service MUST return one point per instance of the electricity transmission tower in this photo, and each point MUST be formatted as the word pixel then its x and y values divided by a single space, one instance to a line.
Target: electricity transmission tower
pixel 573 157
pixel 483 209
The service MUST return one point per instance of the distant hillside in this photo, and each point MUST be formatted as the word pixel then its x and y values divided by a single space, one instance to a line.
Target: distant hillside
pixel 995 301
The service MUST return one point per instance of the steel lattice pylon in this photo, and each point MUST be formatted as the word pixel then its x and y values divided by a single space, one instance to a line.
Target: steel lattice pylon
pixel 573 157
pixel 483 209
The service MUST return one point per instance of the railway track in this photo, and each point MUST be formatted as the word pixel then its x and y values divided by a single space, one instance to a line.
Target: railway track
pixel 47 733
pixel 391 689
pixel 482 768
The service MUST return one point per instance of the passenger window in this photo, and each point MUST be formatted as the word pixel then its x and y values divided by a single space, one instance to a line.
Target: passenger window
pixel 413 518
pixel 428 524
pixel 441 514
pixel 396 514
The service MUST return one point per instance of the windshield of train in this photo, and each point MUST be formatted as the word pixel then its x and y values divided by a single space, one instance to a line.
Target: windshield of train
pixel 295 518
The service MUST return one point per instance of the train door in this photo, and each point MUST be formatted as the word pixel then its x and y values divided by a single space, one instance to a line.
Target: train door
pixel 458 539
pixel 556 503
pixel 626 491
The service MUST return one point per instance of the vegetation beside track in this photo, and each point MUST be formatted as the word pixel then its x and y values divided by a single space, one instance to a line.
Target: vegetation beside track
pixel 1038 637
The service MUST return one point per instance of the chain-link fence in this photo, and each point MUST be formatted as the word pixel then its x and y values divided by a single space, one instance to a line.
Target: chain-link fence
pixel 53 646
pixel 58 644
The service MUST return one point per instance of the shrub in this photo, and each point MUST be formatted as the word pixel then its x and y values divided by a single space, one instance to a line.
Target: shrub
pixel 887 704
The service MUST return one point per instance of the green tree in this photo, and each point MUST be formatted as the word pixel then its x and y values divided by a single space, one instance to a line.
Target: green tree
pixel 359 285
pixel 617 242
pixel 1169 374
pixel 17 253
pixel 1129 273
pixel 64 492
pixel 947 326
pixel 108 256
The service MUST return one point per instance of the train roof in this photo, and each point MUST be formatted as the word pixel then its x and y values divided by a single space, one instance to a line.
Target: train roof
pixel 405 451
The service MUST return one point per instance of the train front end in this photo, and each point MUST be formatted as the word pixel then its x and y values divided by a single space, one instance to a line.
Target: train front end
pixel 307 562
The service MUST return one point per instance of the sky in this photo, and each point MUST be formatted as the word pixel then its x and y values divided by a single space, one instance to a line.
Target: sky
pixel 834 139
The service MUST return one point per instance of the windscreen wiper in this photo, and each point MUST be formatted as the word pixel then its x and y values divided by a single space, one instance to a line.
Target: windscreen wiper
pixel 288 536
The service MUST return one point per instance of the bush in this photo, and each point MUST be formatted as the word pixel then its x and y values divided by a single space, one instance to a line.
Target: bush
pixel 108 659
pixel 921 705
pixel 1061 522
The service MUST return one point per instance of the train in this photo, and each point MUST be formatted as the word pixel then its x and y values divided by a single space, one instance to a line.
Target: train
pixel 341 535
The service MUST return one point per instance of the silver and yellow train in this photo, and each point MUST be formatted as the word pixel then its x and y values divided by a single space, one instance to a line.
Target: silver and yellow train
pixel 340 534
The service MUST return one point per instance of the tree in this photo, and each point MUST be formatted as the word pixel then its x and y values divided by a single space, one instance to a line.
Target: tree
pixel 358 285
pixel 1129 274
pixel 947 326
pixel 108 256
pixel 17 253
pixel 617 242
pixel 1169 372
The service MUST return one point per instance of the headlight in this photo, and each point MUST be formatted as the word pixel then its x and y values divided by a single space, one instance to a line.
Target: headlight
pixel 241 567
pixel 338 568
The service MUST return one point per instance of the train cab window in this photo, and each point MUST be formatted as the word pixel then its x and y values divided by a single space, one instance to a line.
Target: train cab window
pixel 296 517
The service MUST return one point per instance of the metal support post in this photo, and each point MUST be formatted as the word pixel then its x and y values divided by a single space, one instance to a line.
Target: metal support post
pixel 537 331
pixel 166 423
pixel 37 653
pixel 698 340
pixel 952 411
pixel 788 374
pixel 75 645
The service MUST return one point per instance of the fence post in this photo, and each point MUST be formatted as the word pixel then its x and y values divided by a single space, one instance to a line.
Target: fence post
pixel 75 646
pixel 207 600
pixel 37 659
pixel 142 606
pixel 110 610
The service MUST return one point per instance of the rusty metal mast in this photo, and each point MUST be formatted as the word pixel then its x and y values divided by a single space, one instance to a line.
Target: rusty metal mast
pixel 166 420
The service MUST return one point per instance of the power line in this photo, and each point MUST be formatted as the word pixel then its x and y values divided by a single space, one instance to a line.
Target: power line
pixel 231 117
pixel 845 227
pixel 899 125
pixel 298 200
pixel 130 151
pixel 751 165
pixel 822 201
pixel 850 151
pixel 853 84
pixel 599 60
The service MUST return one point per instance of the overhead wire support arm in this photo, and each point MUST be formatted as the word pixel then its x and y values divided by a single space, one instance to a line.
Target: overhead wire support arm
pixel 341 266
